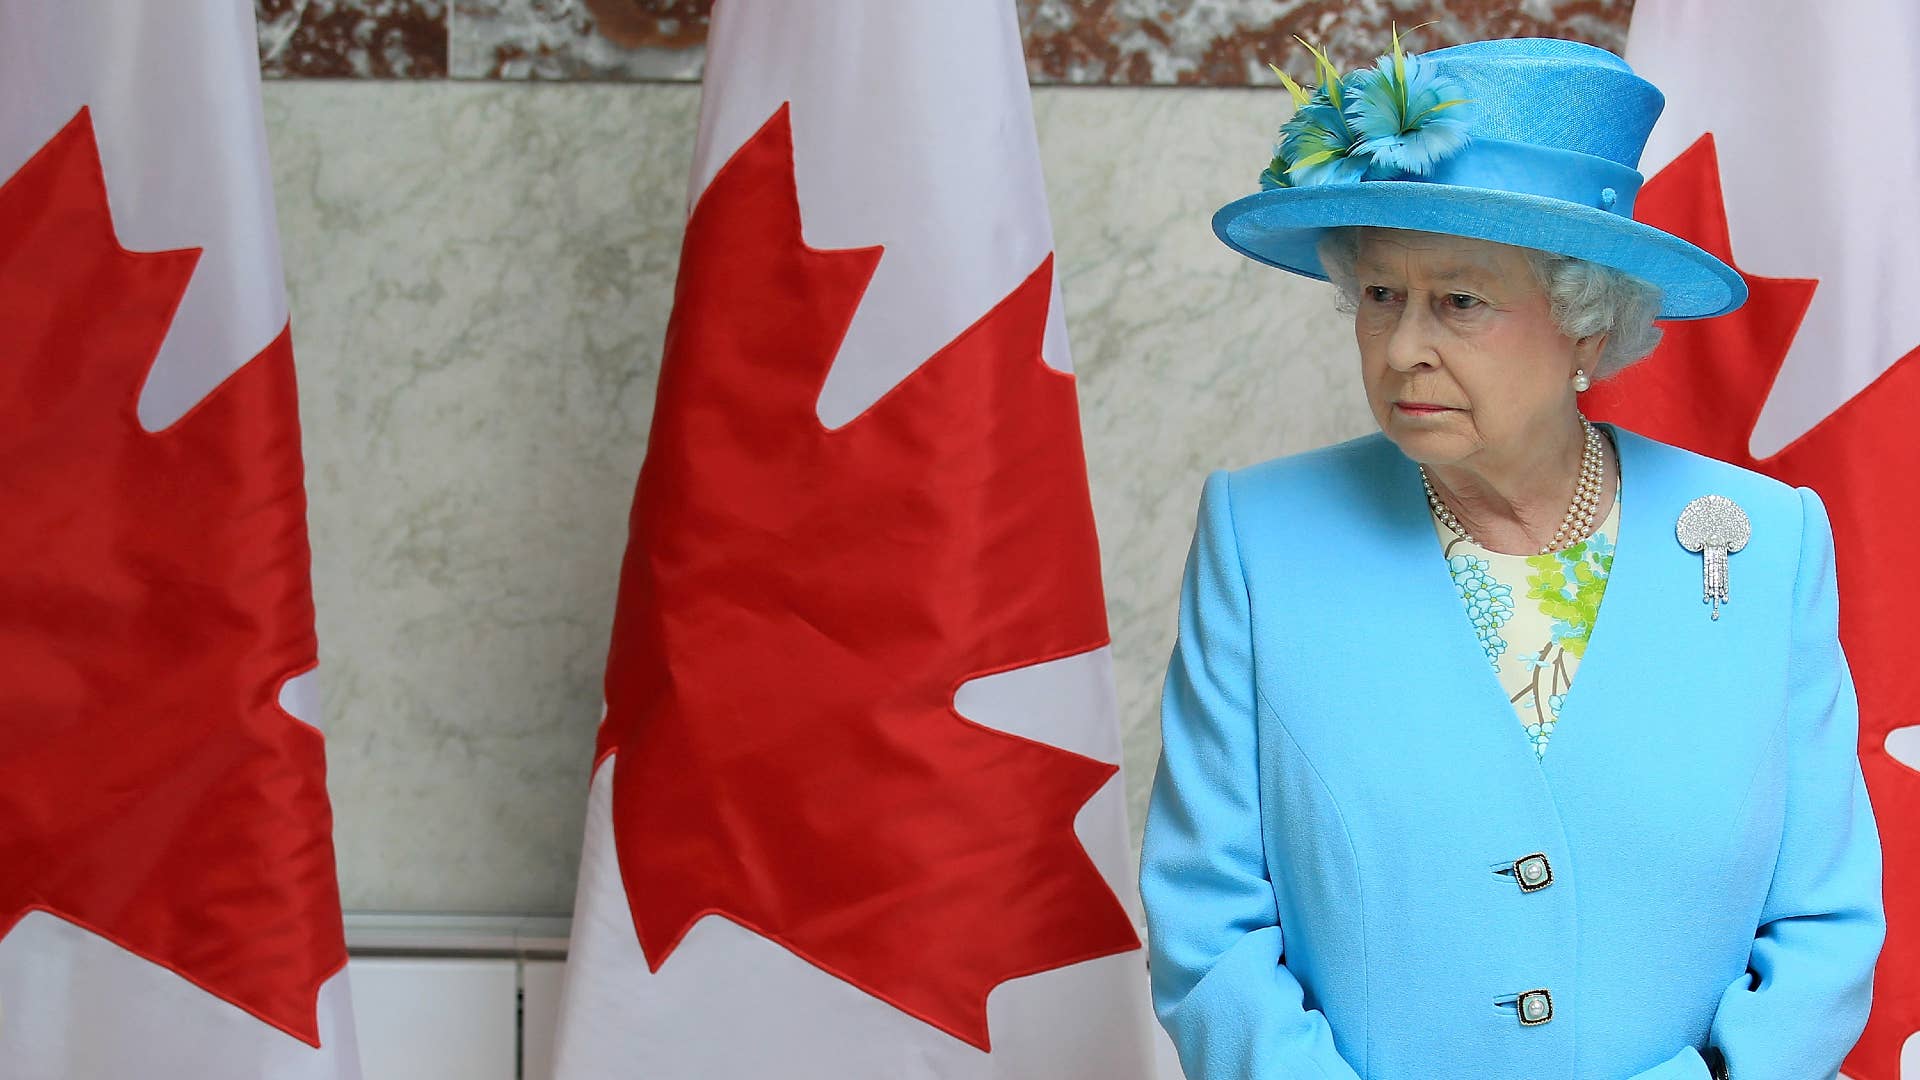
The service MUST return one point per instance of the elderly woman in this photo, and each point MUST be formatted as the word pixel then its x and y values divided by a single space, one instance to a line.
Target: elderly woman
pixel 1389 836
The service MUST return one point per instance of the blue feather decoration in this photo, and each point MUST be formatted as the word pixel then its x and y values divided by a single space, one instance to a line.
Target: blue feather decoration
pixel 1316 144
pixel 1408 116
pixel 1400 117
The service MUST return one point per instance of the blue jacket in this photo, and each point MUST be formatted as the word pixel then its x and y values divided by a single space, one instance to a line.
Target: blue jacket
pixel 1344 791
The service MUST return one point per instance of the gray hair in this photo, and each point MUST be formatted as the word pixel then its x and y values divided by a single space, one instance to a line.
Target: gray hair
pixel 1585 297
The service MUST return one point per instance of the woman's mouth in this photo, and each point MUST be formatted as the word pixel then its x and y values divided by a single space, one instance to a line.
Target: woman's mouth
pixel 1421 408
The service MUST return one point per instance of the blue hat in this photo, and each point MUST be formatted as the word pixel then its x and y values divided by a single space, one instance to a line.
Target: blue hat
pixel 1533 142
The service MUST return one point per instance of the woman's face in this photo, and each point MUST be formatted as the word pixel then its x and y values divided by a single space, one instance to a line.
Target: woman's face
pixel 1463 362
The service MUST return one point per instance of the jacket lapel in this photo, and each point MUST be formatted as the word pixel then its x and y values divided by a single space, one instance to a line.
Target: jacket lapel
pixel 1656 665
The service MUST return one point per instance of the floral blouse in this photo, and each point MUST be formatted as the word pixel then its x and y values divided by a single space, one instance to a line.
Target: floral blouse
pixel 1533 615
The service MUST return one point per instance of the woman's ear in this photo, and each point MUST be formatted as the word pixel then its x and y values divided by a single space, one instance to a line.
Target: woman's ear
pixel 1589 348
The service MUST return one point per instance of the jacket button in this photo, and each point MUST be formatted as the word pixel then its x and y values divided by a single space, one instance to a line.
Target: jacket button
pixel 1533 872
pixel 1536 1007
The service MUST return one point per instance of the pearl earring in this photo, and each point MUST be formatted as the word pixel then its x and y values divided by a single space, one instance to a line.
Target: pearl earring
pixel 1581 384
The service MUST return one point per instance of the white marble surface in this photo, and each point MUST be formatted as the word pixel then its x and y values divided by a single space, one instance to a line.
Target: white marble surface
pixel 480 277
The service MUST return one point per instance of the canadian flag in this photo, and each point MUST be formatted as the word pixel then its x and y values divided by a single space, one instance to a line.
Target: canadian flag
pixel 1789 147
pixel 168 906
pixel 855 810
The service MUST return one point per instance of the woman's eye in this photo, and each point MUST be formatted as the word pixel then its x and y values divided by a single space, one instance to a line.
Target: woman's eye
pixel 1379 294
pixel 1462 301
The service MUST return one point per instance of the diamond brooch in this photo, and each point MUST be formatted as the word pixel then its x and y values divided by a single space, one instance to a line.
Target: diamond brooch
pixel 1715 526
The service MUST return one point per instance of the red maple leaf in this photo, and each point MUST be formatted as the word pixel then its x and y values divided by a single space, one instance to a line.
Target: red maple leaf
pixel 798 605
pixel 1704 389
pixel 155 594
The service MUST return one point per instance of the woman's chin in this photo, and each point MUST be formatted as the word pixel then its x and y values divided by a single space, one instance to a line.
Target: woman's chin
pixel 1430 440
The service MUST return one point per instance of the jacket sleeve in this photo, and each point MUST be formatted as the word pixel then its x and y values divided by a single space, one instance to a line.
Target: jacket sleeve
pixel 1802 1003
pixel 1215 946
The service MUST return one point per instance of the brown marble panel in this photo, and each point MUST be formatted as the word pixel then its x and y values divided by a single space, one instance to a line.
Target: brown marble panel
pixel 1128 42
pixel 1141 42
pixel 1230 42
pixel 579 39
pixel 365 39
pixel 633 24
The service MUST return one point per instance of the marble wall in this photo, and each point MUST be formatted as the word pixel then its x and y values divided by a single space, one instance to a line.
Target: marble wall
pixel 1129 42
pixel 480 276
pixel 479 280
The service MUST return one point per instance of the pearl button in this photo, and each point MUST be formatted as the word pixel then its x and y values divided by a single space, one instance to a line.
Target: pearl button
pixel 1533 872
pixel 1536 1007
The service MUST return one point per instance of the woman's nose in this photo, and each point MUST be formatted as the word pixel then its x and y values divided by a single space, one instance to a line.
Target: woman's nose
pixel 1411 343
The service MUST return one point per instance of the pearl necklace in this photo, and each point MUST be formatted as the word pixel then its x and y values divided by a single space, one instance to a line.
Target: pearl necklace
pixel 1578 523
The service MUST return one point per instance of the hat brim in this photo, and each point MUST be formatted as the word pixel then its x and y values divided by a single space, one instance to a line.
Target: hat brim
pixel 1282 227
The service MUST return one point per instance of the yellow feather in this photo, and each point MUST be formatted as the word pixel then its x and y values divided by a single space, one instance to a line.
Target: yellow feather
pixel 1329 75
pixel 1314 159
pixel 1300 94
